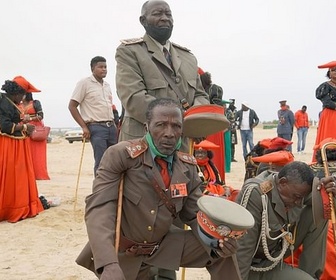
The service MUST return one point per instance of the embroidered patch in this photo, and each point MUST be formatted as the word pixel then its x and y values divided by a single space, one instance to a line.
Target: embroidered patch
pixel 132 41
pixel 180 47
pixel 135 149
pixel 187 158
pixel 266 186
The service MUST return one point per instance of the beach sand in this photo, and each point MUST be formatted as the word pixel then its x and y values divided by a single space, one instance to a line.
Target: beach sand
pixel 45 247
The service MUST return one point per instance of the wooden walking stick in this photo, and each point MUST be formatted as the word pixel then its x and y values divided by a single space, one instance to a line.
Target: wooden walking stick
pixel 119 211
pixel 191 152
pixel 331 196
pixel 79 172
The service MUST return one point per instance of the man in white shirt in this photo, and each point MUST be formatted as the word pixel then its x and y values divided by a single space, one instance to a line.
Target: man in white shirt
pixel 97 115
pixel 247 119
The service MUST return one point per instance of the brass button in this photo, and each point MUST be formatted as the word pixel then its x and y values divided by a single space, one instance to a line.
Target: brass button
pixel 149 228
pixel 145 242
pixel 152 212
pixel 177 80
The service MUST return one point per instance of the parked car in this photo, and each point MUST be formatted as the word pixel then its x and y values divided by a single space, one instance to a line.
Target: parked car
pixel 74 135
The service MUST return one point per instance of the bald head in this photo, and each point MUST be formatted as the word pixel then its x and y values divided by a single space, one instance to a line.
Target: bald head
pixel 148 4
pixel 156 17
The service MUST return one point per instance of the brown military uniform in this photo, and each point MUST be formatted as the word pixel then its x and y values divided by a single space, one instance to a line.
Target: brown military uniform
pixel 139 81
pixel 145 218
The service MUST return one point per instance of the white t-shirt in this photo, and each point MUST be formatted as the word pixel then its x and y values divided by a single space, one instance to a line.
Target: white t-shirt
pixel 245 124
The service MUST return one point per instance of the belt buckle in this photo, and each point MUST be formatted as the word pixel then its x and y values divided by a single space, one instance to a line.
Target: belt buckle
pixel 109 124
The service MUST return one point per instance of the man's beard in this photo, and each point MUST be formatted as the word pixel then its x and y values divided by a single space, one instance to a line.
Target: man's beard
pixel 160 34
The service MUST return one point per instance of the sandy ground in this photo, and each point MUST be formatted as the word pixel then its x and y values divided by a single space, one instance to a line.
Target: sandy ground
pixel 45 247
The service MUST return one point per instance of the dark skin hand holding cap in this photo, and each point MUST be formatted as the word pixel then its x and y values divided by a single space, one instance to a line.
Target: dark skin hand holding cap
pixel 221 222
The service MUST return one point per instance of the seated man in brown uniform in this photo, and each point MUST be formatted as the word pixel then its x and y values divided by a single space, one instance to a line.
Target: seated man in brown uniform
pixel 148 237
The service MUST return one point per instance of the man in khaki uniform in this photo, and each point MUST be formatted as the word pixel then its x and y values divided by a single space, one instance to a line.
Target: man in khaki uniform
pixel 140 63
pixel 281 205
pixel 149 207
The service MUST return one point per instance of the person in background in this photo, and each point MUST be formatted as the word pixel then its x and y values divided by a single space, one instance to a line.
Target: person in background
pixel 141 63
pixel 302 126
pixel 231 113
pixel 96 117
pixel 326 93
pixel 33 114
pixel 18 190
pixel 150 167
pixel 247 119
pixel 214 91
pixel 283 222
pixel 286 122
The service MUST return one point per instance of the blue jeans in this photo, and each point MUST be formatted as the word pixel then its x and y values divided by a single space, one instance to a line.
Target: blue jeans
pixel 246 137
pixel 101 138
pixel 302 135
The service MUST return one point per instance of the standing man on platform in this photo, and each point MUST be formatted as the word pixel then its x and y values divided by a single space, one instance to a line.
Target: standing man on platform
pixel 96 117
pixel 302 126
pixel 153 67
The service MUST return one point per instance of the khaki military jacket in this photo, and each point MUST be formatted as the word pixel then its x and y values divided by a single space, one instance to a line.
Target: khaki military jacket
pixel 145 218
pixel 250 250
pixel 139 81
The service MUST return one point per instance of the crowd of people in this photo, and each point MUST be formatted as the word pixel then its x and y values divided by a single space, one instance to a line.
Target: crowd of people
pixel 149 178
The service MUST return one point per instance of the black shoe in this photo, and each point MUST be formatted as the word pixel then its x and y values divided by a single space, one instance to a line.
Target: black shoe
pixel 233 160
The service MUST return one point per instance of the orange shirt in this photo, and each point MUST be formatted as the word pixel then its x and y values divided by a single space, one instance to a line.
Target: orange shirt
pixel 301 119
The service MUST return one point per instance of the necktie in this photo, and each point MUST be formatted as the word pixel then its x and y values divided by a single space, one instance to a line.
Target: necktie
pixel 164 171
pixel 168 57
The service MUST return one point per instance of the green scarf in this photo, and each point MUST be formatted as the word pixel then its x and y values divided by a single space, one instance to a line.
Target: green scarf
pixel 155 150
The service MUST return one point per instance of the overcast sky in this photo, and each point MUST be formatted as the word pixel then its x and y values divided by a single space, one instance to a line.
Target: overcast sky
pixel 259 51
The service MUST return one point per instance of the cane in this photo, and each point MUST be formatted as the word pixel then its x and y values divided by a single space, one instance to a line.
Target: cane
pixel 119 211
pixel 79 172
pixel 191 152
pixel 330 195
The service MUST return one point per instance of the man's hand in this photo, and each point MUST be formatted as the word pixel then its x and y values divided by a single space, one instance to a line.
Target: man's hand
pixel 228 247
pixel 329 184
pixel 86 132
pixel 112 271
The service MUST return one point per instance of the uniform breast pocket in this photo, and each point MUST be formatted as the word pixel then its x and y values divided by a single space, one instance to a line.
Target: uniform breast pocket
pixel 132 196
pixel 154 86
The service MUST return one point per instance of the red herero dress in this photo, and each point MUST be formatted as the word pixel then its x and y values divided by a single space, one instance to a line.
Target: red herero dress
pixel 18 190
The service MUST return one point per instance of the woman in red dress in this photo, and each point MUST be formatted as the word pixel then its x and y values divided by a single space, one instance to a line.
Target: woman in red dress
pixel 18 190
pixel 33 114
pixel 326 93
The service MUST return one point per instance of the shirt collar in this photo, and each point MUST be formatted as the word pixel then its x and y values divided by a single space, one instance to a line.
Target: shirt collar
pixel 168 159
pixel 167 45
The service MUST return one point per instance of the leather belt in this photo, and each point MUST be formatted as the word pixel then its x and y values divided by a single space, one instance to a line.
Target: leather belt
pixel 132 248
pixel 107 123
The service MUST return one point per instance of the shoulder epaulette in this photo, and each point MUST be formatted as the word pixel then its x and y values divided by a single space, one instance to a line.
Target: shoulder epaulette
pixel 180 47
pixel 136 148
pixel 187 158
pixel 132 41
pixel 266 186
